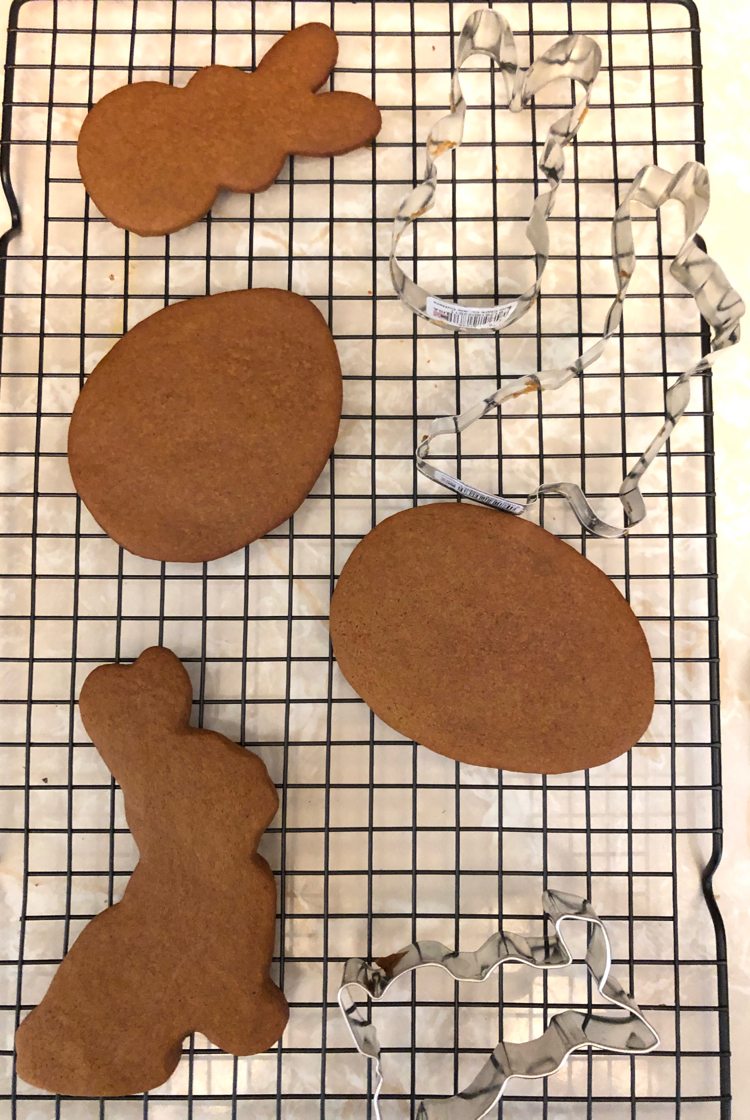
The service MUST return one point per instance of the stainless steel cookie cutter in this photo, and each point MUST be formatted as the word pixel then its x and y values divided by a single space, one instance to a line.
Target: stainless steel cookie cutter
pixel 717 301
pixel 486 32
pixel 567 1032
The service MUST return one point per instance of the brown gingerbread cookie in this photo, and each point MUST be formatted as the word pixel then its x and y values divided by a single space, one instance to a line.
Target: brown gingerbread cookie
pixel 189 947
pixel 489 640
pixel 207 424
pixel 154 157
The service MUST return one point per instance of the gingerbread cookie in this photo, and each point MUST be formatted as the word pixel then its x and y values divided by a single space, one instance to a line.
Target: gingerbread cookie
pixel 490 641
pixel 153 157
pixel 207 424
pixel 189 947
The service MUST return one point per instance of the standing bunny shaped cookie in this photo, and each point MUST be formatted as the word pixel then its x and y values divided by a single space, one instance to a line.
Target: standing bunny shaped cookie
pixel 189 947
pixel 154 157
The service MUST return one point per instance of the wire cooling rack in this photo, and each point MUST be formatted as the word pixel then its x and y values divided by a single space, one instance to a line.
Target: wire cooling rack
pixel 377 841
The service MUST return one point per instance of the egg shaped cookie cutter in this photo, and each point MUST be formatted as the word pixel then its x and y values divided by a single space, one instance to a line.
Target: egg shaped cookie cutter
pixel 568 1031
pixel 718 302
pixel 486 32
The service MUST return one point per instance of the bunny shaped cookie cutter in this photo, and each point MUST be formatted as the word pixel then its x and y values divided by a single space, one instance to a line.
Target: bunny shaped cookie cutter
pixel 718 302
pixel 486 32
pixel 568 1031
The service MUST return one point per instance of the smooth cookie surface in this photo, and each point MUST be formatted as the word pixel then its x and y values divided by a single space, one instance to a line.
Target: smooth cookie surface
pixel 153 157
pixel 487 639
pixel 189 947
pixel 207 424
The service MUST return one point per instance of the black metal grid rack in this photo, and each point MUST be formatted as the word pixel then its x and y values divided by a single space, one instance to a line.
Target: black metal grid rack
pixel 377 841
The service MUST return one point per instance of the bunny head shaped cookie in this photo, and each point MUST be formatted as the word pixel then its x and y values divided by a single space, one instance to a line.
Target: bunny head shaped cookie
pixel 190 945
pixel 154 157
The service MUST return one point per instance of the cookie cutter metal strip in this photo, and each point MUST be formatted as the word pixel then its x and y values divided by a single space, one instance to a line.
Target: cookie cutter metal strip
pixel 486 32
pixel 567 1032
pixel 717 301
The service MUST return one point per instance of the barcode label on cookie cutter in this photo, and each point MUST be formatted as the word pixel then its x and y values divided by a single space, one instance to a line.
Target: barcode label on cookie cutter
pixel 471 318
pixel 465 491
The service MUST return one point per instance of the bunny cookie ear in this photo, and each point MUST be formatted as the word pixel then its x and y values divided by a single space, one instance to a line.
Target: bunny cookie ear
pixel 336 123
pixel 117 701
pixel 303 57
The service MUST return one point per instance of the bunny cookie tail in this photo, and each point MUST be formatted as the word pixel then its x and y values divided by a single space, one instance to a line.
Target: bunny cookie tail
pixel 101 1029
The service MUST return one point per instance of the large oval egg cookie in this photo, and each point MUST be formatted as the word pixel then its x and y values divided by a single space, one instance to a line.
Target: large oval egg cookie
pixel 207 424
pixel 489 640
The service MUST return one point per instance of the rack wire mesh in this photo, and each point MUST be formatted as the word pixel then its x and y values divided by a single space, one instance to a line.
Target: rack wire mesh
pixel 378 841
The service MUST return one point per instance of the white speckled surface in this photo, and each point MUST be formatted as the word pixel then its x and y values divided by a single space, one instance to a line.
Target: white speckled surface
pixel 726 47
pixel 726 43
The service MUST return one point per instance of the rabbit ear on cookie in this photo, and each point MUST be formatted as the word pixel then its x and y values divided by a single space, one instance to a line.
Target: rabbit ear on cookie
pixel 336 123
pixel 119 701
pixel 303 57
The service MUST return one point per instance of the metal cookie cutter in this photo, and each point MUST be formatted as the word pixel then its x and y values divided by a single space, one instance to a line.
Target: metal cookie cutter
pixel 717 301
pixel 567 1032
pixel 576 57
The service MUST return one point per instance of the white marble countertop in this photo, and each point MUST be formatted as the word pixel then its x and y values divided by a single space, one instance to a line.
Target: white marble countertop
pixel 726 83
pixel 726 50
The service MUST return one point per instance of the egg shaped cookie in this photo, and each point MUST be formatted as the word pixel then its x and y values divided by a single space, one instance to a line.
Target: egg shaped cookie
pixel 491 641
pixel 207 424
